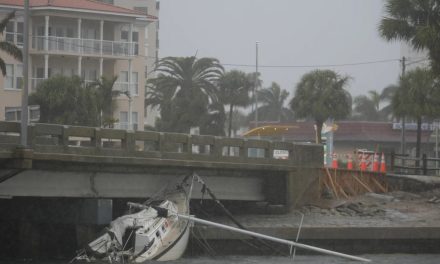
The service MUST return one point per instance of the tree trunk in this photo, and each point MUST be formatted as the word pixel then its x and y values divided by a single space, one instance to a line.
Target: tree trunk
pixel 318 132
pixel 231 107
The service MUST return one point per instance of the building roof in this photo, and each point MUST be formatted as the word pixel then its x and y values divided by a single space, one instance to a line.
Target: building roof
pixel 79 5
pixel 360 131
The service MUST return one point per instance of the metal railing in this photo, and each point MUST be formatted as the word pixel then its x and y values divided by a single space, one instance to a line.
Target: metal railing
pixel 125 87
pixel 405 164
pixel 35 82
pixel 85 46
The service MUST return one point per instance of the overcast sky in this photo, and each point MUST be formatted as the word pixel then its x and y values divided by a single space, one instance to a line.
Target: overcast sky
pixel 290 32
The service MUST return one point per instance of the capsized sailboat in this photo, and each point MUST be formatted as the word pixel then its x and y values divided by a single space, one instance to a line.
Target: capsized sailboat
pixel 147 234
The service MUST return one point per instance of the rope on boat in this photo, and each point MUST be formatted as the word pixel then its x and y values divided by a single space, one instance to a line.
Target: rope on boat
pixel 206 189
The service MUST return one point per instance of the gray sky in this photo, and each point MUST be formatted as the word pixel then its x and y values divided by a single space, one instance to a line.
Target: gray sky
pixel 290 32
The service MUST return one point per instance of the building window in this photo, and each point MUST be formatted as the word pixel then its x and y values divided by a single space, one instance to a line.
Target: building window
pixel 10 32
pixel 14 76
pixel 124 35
pixel 134 83
pixel 14 32
pixel 20 31
pixel 123 120
pixel 14 113
pixel 19 76
pixel 9 78
pixel 34 113
pixel 134 120
pixel 134 38
pixel 142 9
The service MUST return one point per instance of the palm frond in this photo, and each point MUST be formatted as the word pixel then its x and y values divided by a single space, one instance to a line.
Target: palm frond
pixel 11 49
pixel 5 21
pixel 3 66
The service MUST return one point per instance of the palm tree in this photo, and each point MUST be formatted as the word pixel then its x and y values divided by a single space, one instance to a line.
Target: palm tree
pixel 414 21
pixel 367 107
pixel 194 84
pixel 8 47
pixel 364 109
pixel 417 97
pixel 105 103
pixel 234 87
pixel 159 94
pixel 320 95
pixel 387 97
pixel 272 108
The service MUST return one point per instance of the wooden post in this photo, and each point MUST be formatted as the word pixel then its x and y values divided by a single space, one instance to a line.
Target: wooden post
pixel 425 164
pixel 392 161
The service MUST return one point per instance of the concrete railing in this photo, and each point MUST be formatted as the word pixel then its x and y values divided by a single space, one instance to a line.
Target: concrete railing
pixel 90 141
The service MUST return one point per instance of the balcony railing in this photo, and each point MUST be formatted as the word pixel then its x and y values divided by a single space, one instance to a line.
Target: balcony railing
pixel 125 87
pixel 85 46
pixel 13 37
pixel 126 126
pixel 35 82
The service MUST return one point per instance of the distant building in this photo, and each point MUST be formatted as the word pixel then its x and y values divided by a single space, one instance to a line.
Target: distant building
pixel 352 135
pixel 81 37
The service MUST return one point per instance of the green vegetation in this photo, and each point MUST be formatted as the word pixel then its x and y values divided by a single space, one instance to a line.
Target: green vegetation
pixel 414 21
pixel 234 89
pixel 320 95
pixel 8 47
pixel 105 100
pixel 272 107
pixel 65 100
pixel 418 97
pixel 186 92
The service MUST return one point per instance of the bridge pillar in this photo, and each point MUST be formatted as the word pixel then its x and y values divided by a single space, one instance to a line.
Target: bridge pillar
pixel 302 186
pixel 22 158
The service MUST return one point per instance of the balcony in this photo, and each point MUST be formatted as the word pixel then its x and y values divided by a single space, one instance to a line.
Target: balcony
pixel 91 47
pixel 36 81
pixel 124 87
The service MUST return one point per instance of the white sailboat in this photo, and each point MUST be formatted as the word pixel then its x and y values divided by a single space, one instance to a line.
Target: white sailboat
pixel 148 234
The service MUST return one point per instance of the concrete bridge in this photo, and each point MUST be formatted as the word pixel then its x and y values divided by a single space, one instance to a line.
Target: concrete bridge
pixel 86 162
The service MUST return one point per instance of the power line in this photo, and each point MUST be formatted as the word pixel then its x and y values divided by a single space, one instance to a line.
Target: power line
pixel 319 65
pixel 97 49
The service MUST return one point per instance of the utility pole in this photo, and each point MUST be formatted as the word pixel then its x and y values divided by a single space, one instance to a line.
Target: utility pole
pixel 256 84
pixel 402 141
pixel 24 95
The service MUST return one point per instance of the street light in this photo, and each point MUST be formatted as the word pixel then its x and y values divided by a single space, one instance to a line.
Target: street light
pixel 256 84
pixel 24 95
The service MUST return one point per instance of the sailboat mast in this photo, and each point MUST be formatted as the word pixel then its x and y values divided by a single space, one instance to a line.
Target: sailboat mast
pixel 271 238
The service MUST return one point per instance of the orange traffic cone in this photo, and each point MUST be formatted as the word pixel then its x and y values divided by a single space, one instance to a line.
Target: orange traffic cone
pixel 376 162
pixel 335 161
pixel 383 166
pixel 363 163
pixel 349 162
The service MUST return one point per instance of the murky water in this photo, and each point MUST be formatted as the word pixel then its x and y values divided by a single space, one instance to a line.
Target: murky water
pixel 376 258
